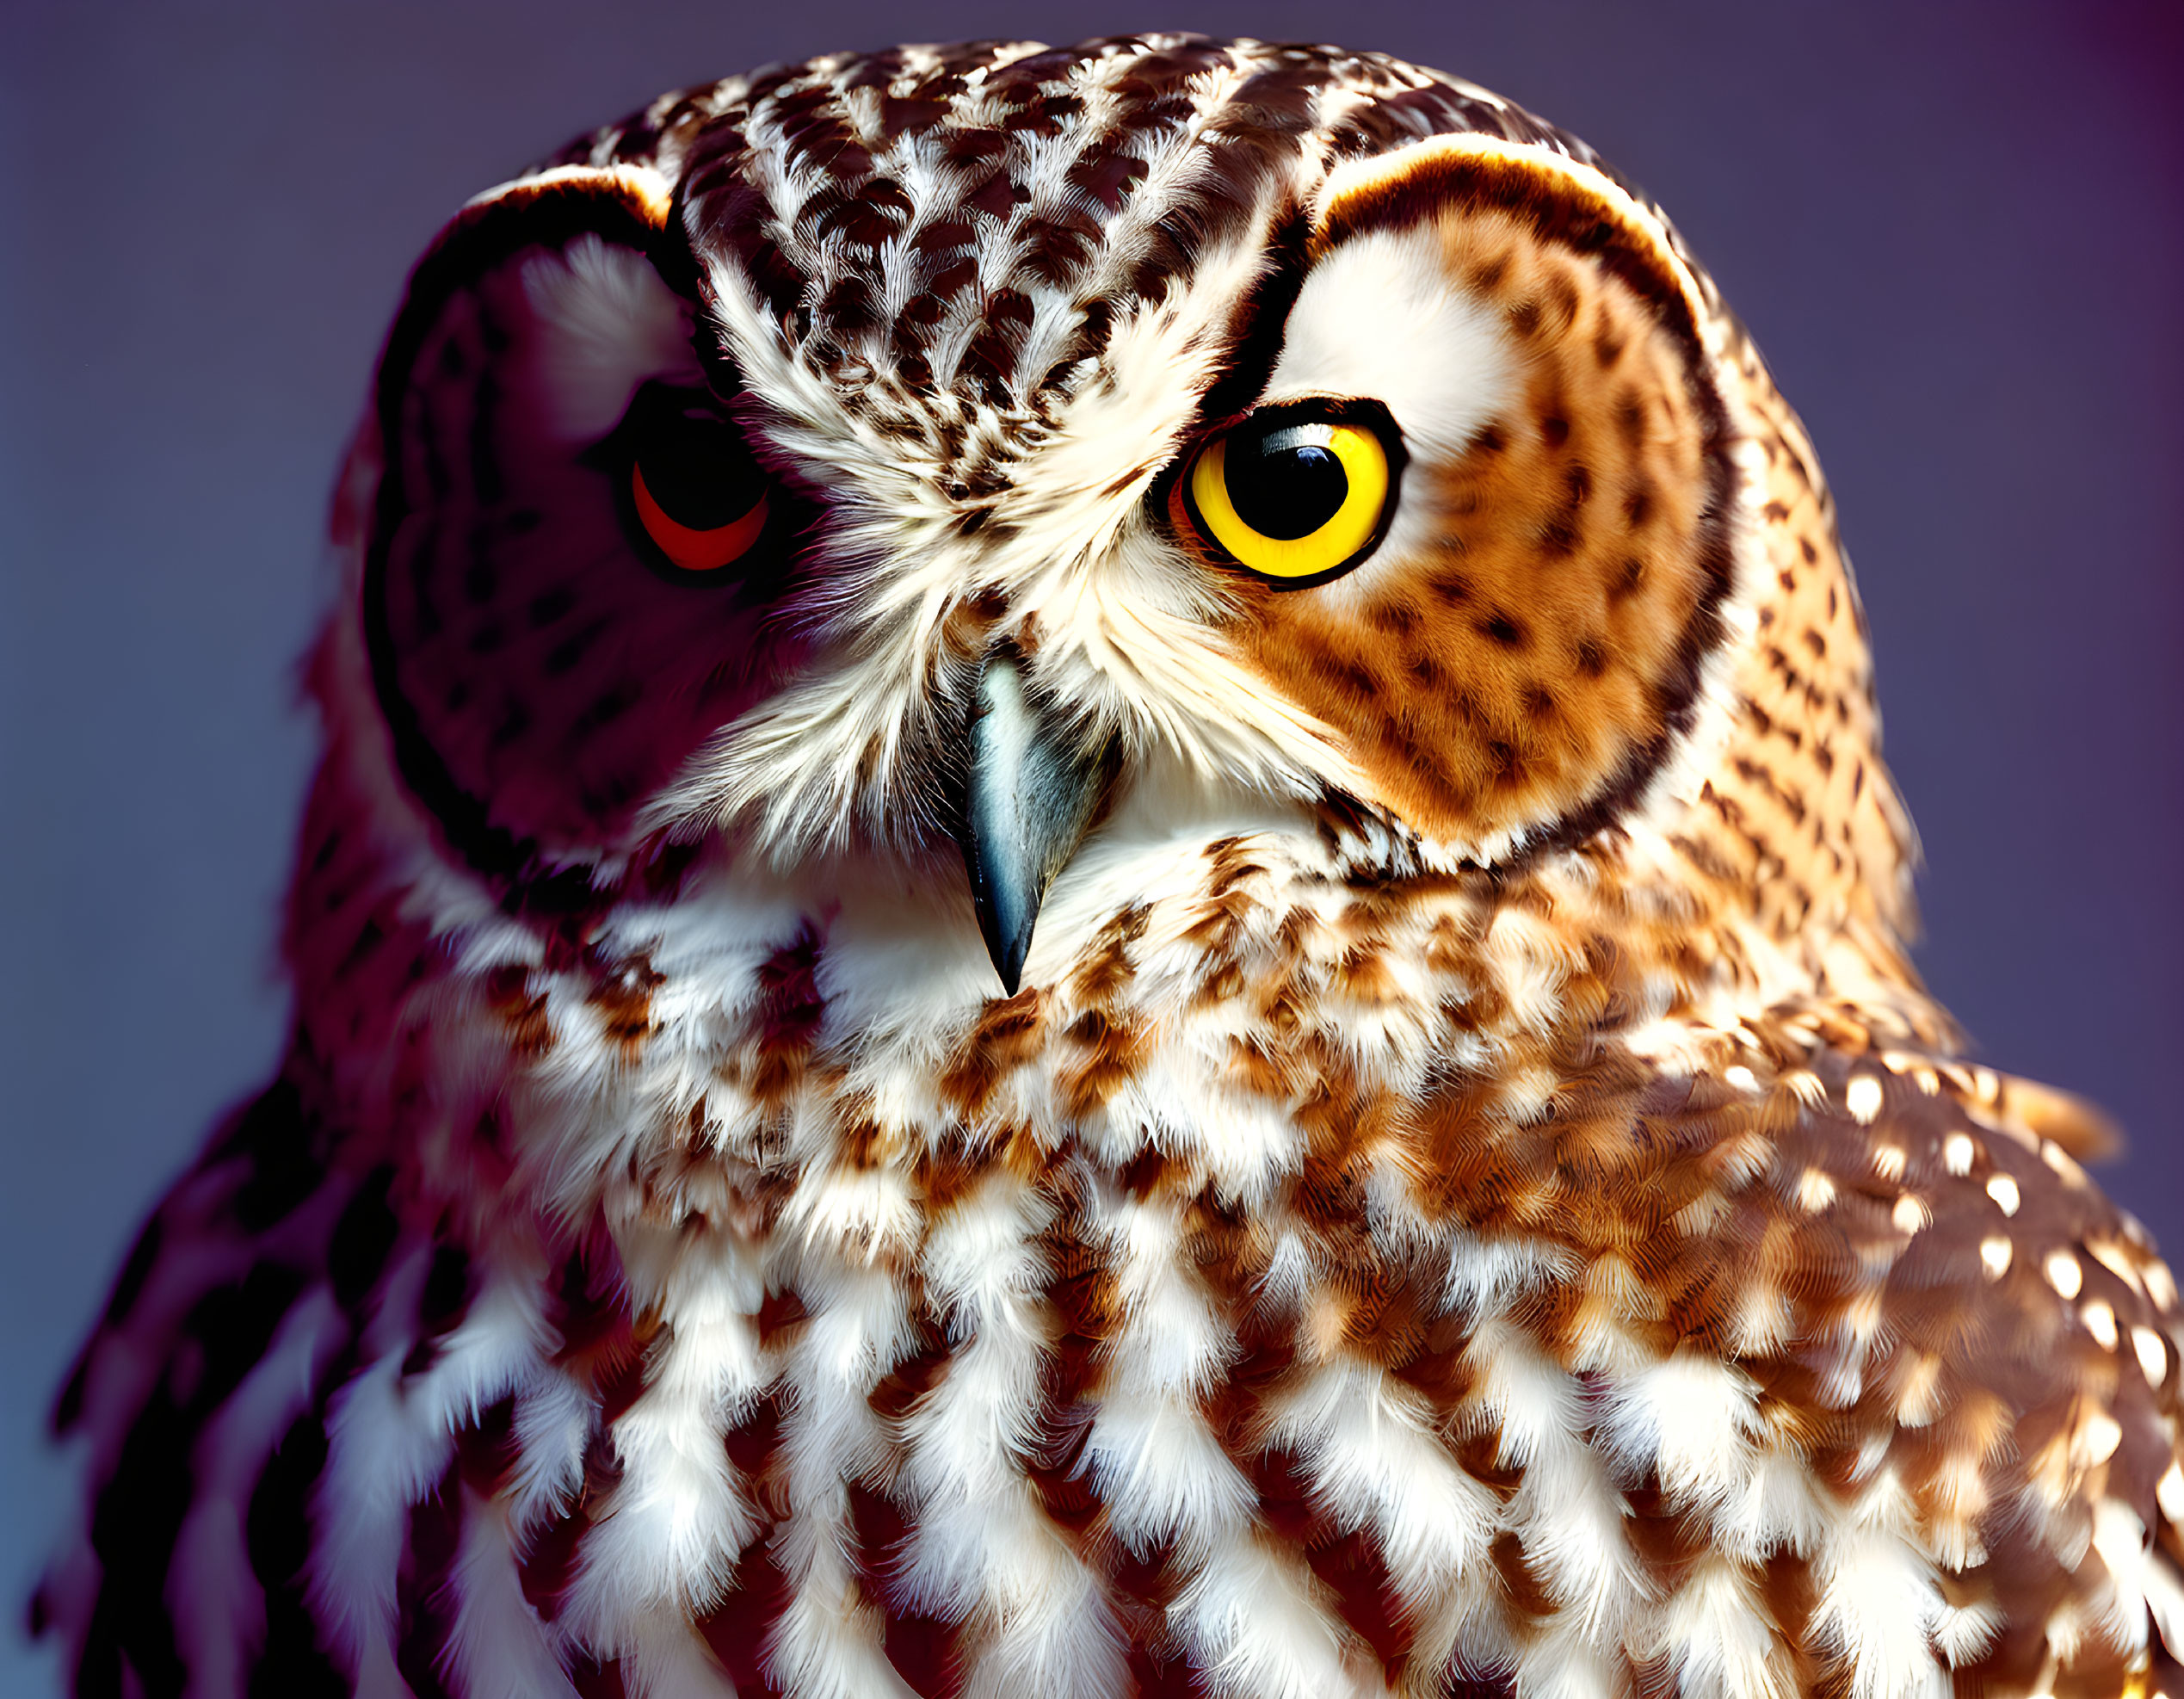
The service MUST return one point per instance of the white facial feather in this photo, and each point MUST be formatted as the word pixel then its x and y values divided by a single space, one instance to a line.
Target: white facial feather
pixel 1437 357
pixel 1116 617
pixel 605 324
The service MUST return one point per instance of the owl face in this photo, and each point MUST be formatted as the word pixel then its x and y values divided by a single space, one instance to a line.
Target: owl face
pixel 922 458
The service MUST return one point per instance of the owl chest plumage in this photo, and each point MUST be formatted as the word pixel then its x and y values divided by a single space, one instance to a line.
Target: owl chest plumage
pixel 1318 1280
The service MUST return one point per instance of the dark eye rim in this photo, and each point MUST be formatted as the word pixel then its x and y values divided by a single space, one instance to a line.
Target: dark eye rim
pixel 1361 411
pixel 615 456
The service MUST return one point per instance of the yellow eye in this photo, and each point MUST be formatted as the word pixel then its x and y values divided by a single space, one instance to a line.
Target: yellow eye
pixel 1295 500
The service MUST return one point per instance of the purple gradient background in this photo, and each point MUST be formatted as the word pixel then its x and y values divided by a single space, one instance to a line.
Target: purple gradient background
pixel 1957 230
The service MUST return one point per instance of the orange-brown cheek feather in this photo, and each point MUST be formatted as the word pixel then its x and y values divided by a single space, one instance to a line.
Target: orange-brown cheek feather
pixel 1802 811
pixel 1531 653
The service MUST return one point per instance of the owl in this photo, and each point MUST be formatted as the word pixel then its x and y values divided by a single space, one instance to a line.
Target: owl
pixel 1102 904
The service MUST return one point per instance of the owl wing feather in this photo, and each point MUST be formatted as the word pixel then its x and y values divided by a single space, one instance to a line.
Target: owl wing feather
pixel 200 1397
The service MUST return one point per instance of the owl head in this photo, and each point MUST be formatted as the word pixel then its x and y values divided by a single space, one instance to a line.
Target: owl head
pixel 936 460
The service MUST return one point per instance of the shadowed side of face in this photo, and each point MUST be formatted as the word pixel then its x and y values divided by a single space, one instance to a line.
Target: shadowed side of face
pixel 574 549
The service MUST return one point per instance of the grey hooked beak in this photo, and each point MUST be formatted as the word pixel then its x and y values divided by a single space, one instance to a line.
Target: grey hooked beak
pixel 1032 796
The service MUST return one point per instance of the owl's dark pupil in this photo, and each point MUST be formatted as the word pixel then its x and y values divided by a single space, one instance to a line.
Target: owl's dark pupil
pixel 698 469
pixel 1283 484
